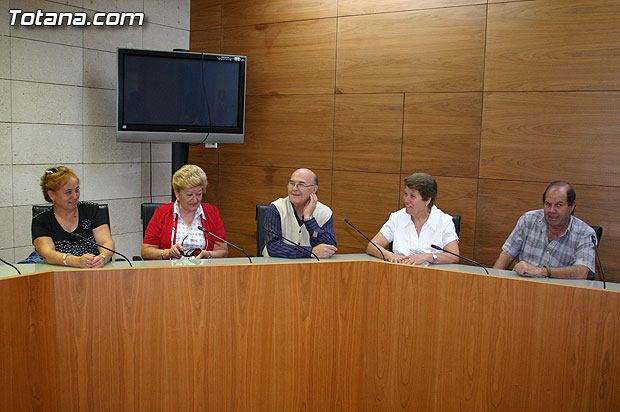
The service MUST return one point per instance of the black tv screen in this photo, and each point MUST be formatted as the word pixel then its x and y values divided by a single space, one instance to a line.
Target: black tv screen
pixel 180 97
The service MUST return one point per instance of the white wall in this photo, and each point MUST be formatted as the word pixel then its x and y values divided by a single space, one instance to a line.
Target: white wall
pixel 57 106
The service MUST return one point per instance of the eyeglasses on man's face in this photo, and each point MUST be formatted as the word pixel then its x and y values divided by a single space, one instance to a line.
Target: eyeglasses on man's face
pixel 300 185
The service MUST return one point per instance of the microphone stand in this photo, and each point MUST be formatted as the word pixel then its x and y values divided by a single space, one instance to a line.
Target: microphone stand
pixel 462 257
pixel 80 237
pixel 11 265
pixel 225 241
pixel 293 243
pixel 365 237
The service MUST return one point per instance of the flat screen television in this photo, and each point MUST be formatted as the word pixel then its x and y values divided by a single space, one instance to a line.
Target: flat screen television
pixel 176 96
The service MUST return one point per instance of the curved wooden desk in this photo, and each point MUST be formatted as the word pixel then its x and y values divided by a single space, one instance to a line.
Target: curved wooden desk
pixel 350 335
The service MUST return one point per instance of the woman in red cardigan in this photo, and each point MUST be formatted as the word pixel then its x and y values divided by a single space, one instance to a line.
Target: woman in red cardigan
pixel 173 231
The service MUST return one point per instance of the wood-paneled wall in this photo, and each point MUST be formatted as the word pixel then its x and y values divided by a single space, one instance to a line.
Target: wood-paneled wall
pixel 495 99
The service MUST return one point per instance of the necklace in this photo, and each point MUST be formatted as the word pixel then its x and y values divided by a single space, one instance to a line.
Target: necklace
pixel 67 222
pixel 71 216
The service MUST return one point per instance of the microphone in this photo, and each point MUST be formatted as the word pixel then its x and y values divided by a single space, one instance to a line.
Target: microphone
pixel 365 237
pixel 292 243
pixel 462 257
pixel 77 236
pixel 599 261
pixel 225 241
pixel 11 265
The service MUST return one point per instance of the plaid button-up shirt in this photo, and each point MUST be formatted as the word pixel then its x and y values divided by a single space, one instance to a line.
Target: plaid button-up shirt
pixel 530 241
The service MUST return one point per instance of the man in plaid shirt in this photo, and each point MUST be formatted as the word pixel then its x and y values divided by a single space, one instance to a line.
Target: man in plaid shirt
pixel 551 242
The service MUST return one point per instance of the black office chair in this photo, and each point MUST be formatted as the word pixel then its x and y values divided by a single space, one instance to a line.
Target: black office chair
pixel 147 210
pixel 261 211
pixel 599 233
pixel 457 223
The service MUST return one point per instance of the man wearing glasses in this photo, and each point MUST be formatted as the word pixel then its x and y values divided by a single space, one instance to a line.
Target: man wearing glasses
pixel 302 219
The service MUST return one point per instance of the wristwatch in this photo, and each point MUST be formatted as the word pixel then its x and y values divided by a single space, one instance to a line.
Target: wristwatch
pixel 434 258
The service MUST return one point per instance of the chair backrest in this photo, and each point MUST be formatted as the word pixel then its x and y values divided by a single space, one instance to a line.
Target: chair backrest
pixel 599 233
pixel 103 208
pixel 146 213
pixel 261 211
pixel 457 223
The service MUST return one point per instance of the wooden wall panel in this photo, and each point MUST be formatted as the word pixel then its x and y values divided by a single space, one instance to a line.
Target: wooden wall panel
pixel 245 13
pixel 241 188
pixel 442 133
pixel 199 154
pixel 553 45
pixel 205 14
pixel 501 203
pixel 457 196
pixel 212 194
pixel 206 41
pixel 351 7
pixel 368 132
pixel 204 158
pixel 565 50
pixel 431 50
pixel 600 206
pixel 550 136
pixel 285 131
pixel 286 58
pixel 366 199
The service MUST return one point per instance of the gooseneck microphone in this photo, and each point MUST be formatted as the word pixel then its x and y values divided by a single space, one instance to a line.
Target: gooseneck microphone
pixel 365 237
pixel 462 257
pixel 292 243
pixel 77 236
pixel 11 265
pixel 599 262
pixel 225 241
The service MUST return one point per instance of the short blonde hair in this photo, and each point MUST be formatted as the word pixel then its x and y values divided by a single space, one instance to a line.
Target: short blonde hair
pixel 54 178
pixel 189 176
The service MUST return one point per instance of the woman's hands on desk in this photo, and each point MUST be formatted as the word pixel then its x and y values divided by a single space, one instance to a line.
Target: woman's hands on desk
pixel 416 259
pixel 409 259
pixel 175 252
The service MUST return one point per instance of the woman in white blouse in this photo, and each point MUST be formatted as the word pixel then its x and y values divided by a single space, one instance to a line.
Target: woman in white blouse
pixel 420 224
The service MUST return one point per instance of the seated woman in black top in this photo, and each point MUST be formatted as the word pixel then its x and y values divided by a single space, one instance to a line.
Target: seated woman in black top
pixel 51 230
